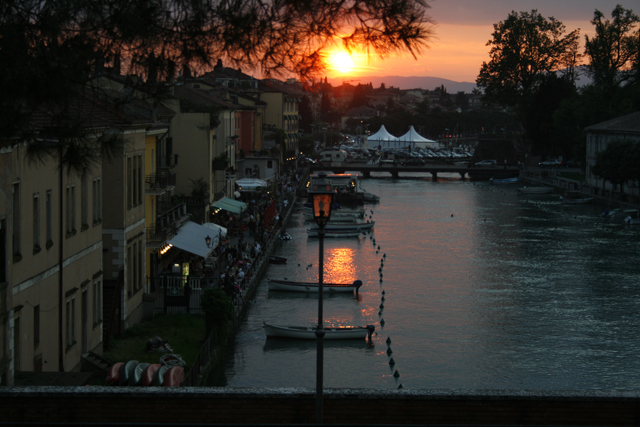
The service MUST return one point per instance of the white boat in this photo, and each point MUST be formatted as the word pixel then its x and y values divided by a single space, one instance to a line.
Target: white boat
pixel 345 226
pixel 504 180
pixel 535 190
pixel 575 198
pixel 292 286
pixel 336 217
pixel 309 332
pixel 334 233
pixel 338 211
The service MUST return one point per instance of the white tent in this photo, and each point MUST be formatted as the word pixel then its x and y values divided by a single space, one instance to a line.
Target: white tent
pixel 382 139
pixel 251 184
pixel 190 238
pixel 415 140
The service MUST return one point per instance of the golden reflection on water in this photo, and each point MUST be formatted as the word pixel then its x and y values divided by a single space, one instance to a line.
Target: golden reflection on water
pixel 339 266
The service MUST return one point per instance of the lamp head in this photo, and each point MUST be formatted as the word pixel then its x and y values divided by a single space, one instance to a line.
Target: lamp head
pixel 322 196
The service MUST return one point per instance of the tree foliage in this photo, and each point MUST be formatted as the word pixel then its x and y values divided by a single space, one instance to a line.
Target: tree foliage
pixel 618 162
pixel 614 51
pixel 48 48
pixel 218 308
pixel 524 48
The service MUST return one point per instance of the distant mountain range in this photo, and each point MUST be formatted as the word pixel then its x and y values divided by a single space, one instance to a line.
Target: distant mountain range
pixel 415 82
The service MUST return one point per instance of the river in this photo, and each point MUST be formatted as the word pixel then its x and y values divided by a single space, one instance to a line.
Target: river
pixel 481 288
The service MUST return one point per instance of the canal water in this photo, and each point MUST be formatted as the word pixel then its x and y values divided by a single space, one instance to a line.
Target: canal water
pixel 481 288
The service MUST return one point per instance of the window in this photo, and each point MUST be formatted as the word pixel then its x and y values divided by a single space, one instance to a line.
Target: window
pixel 97 302
pixel 269 164
pixel 129 182
pixel 16 221
pixel 71 210
pixel 49 220
pixel 97 200
pixel 84 204
pixel 71 319
pixel 36 326
pixel 36 222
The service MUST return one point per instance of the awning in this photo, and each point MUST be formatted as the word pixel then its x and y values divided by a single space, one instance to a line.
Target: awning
pixel 190 238
pixel 251 184
pixel 230 205
pixel 216 231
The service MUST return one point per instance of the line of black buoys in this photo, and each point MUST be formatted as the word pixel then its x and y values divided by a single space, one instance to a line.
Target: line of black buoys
pixel 388 340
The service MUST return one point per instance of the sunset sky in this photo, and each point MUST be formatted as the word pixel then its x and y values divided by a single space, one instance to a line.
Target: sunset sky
pixel 463 28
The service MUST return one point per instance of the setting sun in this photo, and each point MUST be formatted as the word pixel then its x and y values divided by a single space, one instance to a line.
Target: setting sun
pixel 341 61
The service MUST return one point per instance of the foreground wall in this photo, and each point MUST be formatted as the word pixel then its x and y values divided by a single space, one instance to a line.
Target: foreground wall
pixel 297 406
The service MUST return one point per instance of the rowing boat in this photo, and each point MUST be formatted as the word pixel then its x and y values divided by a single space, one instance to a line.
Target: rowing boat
pixel 293 286
pixel 309 332
pixel 334 233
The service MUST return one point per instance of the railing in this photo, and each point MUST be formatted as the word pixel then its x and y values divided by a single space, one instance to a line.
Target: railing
pixel 163 179
pixel 193 378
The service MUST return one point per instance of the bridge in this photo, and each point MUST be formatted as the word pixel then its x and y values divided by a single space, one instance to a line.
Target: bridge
pixel 478 174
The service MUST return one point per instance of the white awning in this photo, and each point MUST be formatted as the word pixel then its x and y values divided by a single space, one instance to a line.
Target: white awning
pixel 216 230
pixel 251 184
pixel 230 205
pixel 190 238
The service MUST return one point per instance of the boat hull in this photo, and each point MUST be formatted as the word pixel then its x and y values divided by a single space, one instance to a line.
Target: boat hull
pixel 346 226
pixel 342 233
pixel 535 190
pixel 277 260
pixel 173 377
pixel 309 332
pixel 291 286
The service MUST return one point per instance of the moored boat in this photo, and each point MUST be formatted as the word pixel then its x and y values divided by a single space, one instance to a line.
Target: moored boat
pixel 347 226
pixel 535 190
pixel 334 233
pixel 575 198
pixel 113 374
pixel 126 371
pixel 173 377
pixel 135 379
pixel 277 260
pixel 504 180
pixel 309 332
pixel 148 374
pixel 158 376
pixel 293 286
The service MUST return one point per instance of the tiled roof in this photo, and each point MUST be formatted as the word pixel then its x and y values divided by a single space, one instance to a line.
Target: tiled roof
pixel 201 97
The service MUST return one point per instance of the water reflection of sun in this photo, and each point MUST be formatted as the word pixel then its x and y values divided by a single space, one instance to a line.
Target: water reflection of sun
pixel 339 266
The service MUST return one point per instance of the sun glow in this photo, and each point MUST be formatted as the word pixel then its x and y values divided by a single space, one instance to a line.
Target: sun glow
pixel 340 61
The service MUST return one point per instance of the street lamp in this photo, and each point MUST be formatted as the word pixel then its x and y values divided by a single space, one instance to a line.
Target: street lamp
pixel 322 196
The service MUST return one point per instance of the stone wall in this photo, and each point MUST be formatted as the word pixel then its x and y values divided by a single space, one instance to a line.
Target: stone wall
pixel 297 406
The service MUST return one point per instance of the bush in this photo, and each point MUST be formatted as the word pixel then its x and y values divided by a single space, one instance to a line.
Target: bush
pixel 218 308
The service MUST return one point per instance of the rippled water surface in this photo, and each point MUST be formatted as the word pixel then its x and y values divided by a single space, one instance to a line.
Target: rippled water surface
pixel 483 289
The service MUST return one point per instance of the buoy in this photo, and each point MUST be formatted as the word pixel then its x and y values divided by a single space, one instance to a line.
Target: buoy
pixel 396 374
pixel 382 298
pixel 389 351
pixel 451 215
pixel 382 292
pixel 381 322
pixel 388 340
pixel 400 386
pixel 380 269
pixel 392 362
pixel 385 255
pixel 381 305
pixel 381 279
pixel 298 265
pixel 378 247
pixel 380 313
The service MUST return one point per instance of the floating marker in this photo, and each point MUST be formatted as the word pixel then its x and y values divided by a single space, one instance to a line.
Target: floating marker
pixel 389 351
pixel 382 322
pixel 385 255
pixel 396 374
pixel 381 279
pixel 382 298
pixel 378 247
pixel 388 340
pixel 400 386
pixel 380 269
pixel 380 313
pixel 381 305
pixel 382 292
pixel 392 362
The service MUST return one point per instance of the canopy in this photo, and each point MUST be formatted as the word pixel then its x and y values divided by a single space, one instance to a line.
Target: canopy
pixel 230 205
pixel 414 139
pixel 381 135
pixel 215 229
pixel 250 184
pixel 190 238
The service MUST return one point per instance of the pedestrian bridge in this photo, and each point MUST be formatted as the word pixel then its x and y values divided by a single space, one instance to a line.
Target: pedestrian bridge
pixel 396 171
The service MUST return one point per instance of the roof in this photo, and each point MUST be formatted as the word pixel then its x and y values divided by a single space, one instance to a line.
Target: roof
pixel 625 124
pixel 201 97
pixel 191 238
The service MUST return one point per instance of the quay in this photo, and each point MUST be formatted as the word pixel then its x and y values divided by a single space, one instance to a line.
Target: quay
pixel 434 169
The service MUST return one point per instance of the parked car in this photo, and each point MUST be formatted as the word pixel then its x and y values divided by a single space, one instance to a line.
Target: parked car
pixel 413 162
pixel 551 163
pixel 487 163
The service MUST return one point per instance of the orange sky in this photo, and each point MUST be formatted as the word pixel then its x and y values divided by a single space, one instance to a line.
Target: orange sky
pixel 463 29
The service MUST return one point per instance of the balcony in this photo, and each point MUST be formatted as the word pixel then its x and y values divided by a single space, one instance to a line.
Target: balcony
pixel 167 223
pixel 157 183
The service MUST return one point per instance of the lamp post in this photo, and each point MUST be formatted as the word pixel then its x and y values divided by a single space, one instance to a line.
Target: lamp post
pixel 322 196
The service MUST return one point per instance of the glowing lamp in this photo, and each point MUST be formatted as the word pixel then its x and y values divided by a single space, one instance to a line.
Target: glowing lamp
pixel 322 198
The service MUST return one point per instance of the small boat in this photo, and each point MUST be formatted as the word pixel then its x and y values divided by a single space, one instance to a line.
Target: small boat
pixel 348 226
pixel 631 216
pixel 126 371
pixel 147 375
pixel 292 286
pixel 504 180
pixel 575 198
pixel 277 259
pixel 158 376
pixel 608 214
pixel 535 190
pixel 334 233
pixel 173 377
pixel 336 217
pixel 135 379
pixel 309 332
pixel 113 374
pixel 371 198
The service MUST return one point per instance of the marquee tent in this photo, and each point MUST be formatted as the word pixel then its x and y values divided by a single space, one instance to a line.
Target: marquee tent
pixel 230 205
pixel 415 140
pixel 190 238
pixel 251 184
pixel 382 139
